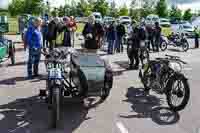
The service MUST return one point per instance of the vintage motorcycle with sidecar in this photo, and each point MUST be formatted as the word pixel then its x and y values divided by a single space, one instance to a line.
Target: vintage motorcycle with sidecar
pixel 7 48
pixel 74 74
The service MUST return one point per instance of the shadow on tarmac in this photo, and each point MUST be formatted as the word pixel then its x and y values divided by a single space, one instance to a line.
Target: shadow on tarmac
pixel 149 107
pixel 31 115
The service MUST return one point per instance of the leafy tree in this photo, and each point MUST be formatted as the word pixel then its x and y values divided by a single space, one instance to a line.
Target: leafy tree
pixel 113 11
pixel 161 8
pixel 123 11
pixel 176 13
pixel 101 6
pixel 16 7
pixel 187 15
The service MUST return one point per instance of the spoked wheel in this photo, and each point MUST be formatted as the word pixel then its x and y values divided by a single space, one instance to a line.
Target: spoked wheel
pixel 55 112
pixel 178 94
pixel 185 46
pixel 163 45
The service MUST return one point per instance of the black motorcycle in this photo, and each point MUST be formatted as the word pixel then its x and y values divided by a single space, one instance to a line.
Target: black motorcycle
pixel 163 75
pixel 74 75
pixel 178 40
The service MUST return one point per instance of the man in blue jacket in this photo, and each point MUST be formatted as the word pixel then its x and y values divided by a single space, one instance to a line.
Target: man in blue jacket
pixel 34 45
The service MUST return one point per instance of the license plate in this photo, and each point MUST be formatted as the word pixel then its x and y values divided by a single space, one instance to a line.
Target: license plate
pixel 55 73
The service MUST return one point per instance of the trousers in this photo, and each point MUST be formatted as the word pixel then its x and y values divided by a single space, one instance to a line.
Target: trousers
pixel 33 61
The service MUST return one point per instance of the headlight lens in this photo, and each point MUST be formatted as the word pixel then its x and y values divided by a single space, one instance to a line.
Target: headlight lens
pixel 175 66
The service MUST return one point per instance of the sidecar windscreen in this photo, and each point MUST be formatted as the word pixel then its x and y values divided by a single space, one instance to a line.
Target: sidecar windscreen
pixel 88 60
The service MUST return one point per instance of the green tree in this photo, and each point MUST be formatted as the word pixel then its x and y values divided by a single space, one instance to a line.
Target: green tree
pixel 123 11
pixel 16 7
pixel 161 8
pixel 101 6
pixel 187 15
pixel 113 11
pixel 176 13
pixel 33 6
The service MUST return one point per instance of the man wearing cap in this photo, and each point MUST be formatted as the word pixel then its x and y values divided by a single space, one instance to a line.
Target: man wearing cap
pixel 34 44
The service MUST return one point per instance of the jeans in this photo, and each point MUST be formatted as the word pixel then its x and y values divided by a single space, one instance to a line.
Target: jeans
pixel 33 61
pixel 119 46
pixel 110 46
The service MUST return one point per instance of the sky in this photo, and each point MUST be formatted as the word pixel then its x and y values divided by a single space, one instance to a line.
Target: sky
pixel 183 4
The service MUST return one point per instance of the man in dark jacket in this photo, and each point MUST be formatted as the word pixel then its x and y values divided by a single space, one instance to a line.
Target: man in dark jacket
pixel 120 33
pixel 52 32
pixel 138 35
pixel 150 38
pixel 111 38
pixel 91 33
pixel 157 36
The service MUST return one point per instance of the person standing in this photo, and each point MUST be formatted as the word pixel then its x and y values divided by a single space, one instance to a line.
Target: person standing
pixel 72 27
pixel 196 38
pixel 52 32
pixel 111 38
pixel 34 45
pixel 150 37
pixel 45 30
pixel 120 33
pixel 157 36
pixel 68 32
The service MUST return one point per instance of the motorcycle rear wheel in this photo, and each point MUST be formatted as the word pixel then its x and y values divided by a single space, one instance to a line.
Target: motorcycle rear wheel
pixel 185 46
pixel 163 45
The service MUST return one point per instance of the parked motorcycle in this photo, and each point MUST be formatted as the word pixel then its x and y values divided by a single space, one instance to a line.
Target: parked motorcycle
pixel 178 40
pixel 73 74
pixel 164 76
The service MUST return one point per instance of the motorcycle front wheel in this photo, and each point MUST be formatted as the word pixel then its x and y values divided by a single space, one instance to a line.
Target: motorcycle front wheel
pixel 179 93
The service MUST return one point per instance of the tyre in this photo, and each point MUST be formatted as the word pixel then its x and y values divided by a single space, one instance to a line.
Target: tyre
pixel 185 46
pixel 172 92
pixel 108 83
pixel 55 110
pixel 163 45
pixel 12 52
pixel 146 78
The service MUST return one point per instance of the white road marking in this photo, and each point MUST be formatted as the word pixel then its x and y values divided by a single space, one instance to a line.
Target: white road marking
pixel 121 127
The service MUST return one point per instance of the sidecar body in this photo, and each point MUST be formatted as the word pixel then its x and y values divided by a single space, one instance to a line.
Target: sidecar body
pixel 97 73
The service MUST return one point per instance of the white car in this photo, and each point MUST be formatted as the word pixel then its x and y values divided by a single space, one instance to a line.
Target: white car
pixel 152 19
pixel 165 22
pixel 125 20
pixel 187 29
pixel 98 16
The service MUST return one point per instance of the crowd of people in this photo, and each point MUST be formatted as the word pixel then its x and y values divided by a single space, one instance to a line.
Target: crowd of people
pixel 46 32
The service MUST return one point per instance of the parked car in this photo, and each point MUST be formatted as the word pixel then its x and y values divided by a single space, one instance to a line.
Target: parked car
pixel 165 22
pixel 108 20
pixel 98 16
pixel 187 29
pixel 151 19
pixel 125 19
